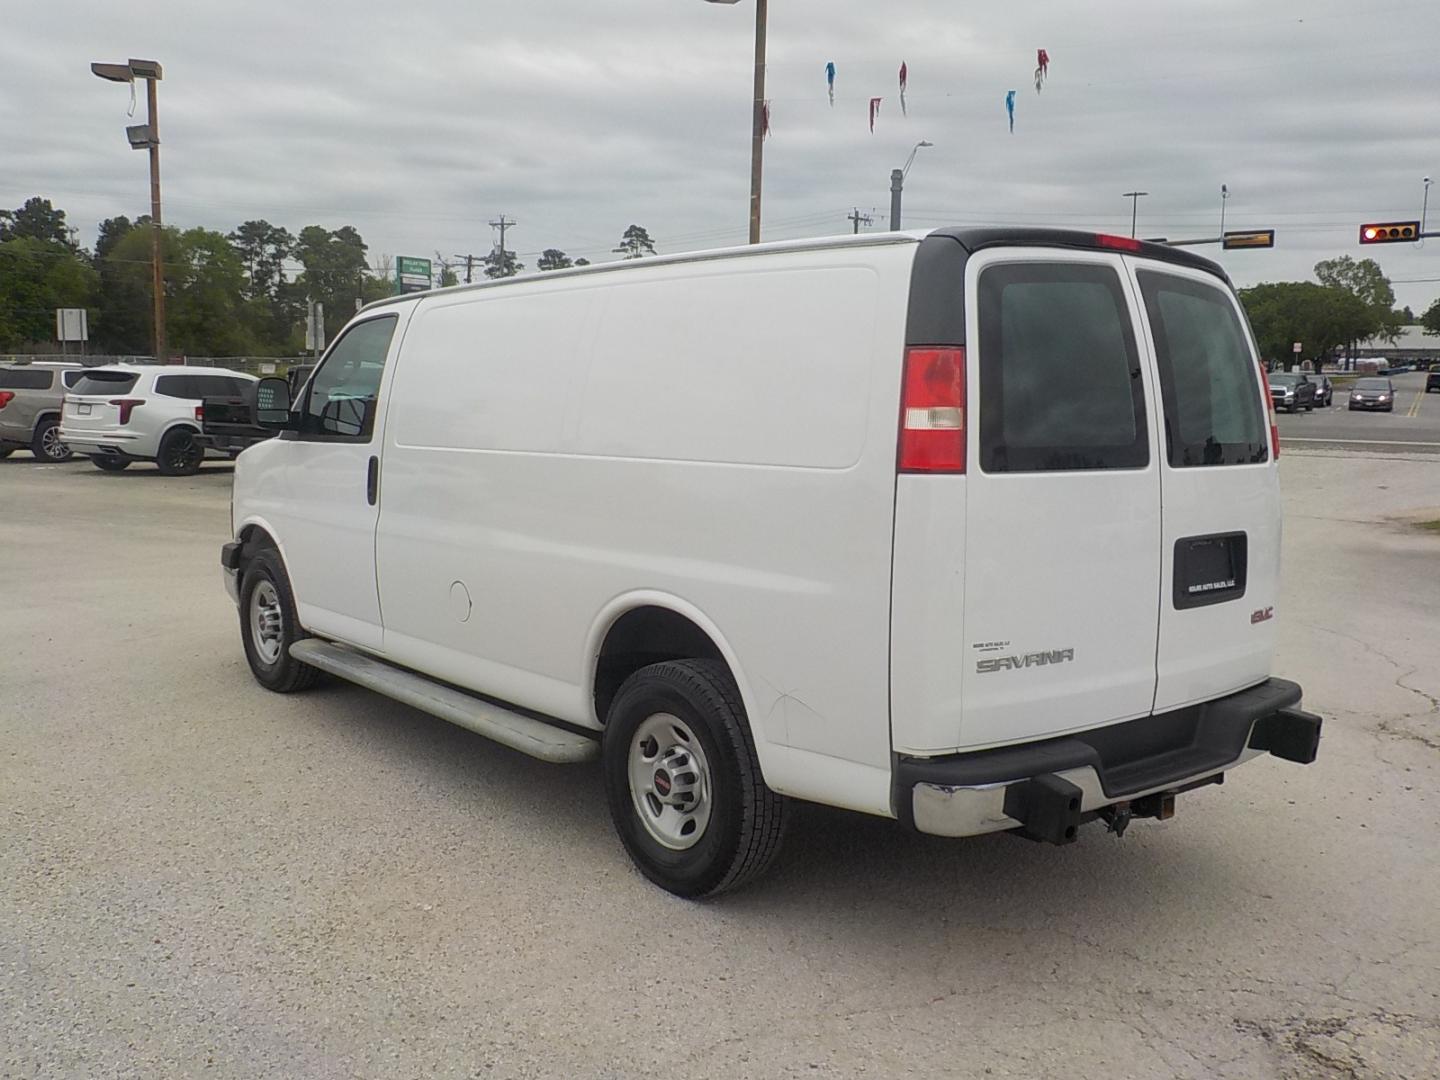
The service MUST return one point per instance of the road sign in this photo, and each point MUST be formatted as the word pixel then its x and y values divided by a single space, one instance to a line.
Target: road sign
pixel 71 324
pixel 1297 348
pixel 1390 232
pixel 1255 238
pixel 412 275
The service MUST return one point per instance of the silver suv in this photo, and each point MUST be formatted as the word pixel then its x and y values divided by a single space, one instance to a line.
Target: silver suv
pixel 30 399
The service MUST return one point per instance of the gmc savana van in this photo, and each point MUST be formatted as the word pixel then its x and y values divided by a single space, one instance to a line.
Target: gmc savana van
pixel 977 529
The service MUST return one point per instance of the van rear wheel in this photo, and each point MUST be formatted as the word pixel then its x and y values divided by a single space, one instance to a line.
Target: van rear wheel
pixel 268 626
pixel 683 781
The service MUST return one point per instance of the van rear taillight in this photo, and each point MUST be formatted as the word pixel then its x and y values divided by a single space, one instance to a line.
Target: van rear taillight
pixel 1270 408
pixel 932 410
pixel 6 396
pixel 126 406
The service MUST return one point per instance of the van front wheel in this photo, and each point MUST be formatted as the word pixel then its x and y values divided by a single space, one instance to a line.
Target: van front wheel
pixel 268 626
pixel 683 781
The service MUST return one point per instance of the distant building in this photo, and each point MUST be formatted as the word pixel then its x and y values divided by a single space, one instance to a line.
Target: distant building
pixel 1411 344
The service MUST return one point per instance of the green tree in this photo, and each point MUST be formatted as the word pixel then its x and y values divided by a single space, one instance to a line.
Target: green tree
pixel 553 259
pixel 582 262
pixel 447 271
pixel 1431 320
pixel 36 277
pixel 502 264
pixel 335 272
pixel 37 220
pixel 1364 280
pixel 1321 318
pixel 206 312
pixel 635 243
pixel 122 318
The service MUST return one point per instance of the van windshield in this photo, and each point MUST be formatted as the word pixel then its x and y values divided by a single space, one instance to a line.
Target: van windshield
pixel 1207 374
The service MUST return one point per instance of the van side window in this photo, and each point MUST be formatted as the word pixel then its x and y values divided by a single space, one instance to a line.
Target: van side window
pixel 1207 374
pixel 343 391
pixel 1060 381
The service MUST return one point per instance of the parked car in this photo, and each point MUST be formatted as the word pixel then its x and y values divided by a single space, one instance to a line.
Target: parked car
pixel 124 413
pixel 1432 381
pixel 780 523
pixel 1324 390
pixel 30 396
pixel 1373 392
pixel 1291 390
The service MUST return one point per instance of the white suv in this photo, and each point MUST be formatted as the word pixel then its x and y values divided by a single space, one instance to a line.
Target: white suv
pixel 124 413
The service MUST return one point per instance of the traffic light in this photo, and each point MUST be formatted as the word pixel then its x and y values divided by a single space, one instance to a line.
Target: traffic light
pixel 1390 232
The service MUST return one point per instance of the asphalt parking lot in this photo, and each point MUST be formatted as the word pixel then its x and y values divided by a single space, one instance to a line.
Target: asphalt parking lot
pixel 199 877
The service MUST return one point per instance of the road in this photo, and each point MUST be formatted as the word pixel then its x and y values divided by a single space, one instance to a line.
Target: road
pixel 1414 426
pixel 201 878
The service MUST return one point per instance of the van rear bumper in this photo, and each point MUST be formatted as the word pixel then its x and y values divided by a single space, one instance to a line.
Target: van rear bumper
pixel 1047 789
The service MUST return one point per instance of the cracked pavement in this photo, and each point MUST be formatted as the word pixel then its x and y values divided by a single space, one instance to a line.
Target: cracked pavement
pixel 200 877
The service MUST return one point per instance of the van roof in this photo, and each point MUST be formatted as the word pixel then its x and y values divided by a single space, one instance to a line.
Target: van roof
pixel 972 239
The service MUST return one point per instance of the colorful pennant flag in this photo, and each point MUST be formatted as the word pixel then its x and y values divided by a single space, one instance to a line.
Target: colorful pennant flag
pixel 874 112
pixel 1042 68
pixel 904 78
pixel 1010 108
pixel 830 81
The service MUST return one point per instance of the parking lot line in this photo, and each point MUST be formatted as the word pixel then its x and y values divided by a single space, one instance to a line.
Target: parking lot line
pixel 1415 405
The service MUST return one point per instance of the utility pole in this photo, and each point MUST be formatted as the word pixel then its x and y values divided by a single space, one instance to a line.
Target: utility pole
pixel 857 219
pixel 1134 197
pixel 469 265
pixel 502 224
pixel 1224 197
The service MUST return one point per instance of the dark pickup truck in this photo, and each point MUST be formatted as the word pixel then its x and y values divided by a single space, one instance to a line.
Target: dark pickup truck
pixel 228 423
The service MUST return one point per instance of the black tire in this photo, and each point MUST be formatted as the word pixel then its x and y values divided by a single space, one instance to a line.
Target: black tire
pixel 282 673
pixel 180 454
pixel 6 451
pixel 46 444
pixel 1309 408
pixel 747 820
pixel 110 464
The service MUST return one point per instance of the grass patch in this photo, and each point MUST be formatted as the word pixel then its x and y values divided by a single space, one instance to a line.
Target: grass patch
pixel 1429 526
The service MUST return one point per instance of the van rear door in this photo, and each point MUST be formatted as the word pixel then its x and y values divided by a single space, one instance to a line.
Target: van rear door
pixel 1062 534
pixel 1220 488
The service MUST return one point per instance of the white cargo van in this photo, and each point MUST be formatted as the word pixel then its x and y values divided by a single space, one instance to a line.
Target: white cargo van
pixel 975 529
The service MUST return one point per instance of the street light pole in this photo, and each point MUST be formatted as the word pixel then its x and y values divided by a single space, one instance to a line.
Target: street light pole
pixel 157 256
pixel 757 115
pixel 1134 197
pixel 147 137
pixel 1425 204
pixel 897 185
pixel 1224 197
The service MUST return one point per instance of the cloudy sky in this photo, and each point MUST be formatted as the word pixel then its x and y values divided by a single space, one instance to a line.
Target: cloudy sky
pixel 419 122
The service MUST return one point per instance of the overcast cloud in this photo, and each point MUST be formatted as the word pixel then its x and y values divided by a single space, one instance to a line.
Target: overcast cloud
pixel 419 122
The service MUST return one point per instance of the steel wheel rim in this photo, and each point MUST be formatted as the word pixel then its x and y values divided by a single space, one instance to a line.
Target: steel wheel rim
pixel 670 783
pixel 51 445
pixel 267 622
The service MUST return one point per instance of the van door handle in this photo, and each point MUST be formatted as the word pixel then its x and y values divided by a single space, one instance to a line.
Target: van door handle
pixel 372 481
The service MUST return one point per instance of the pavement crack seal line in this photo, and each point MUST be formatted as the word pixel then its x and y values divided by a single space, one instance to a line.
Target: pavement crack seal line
pixel 1431 701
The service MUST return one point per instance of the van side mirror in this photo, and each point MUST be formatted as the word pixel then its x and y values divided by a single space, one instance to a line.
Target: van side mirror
pixel 272 404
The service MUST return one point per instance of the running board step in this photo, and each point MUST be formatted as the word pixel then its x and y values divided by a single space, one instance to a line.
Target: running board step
pixel 534 737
